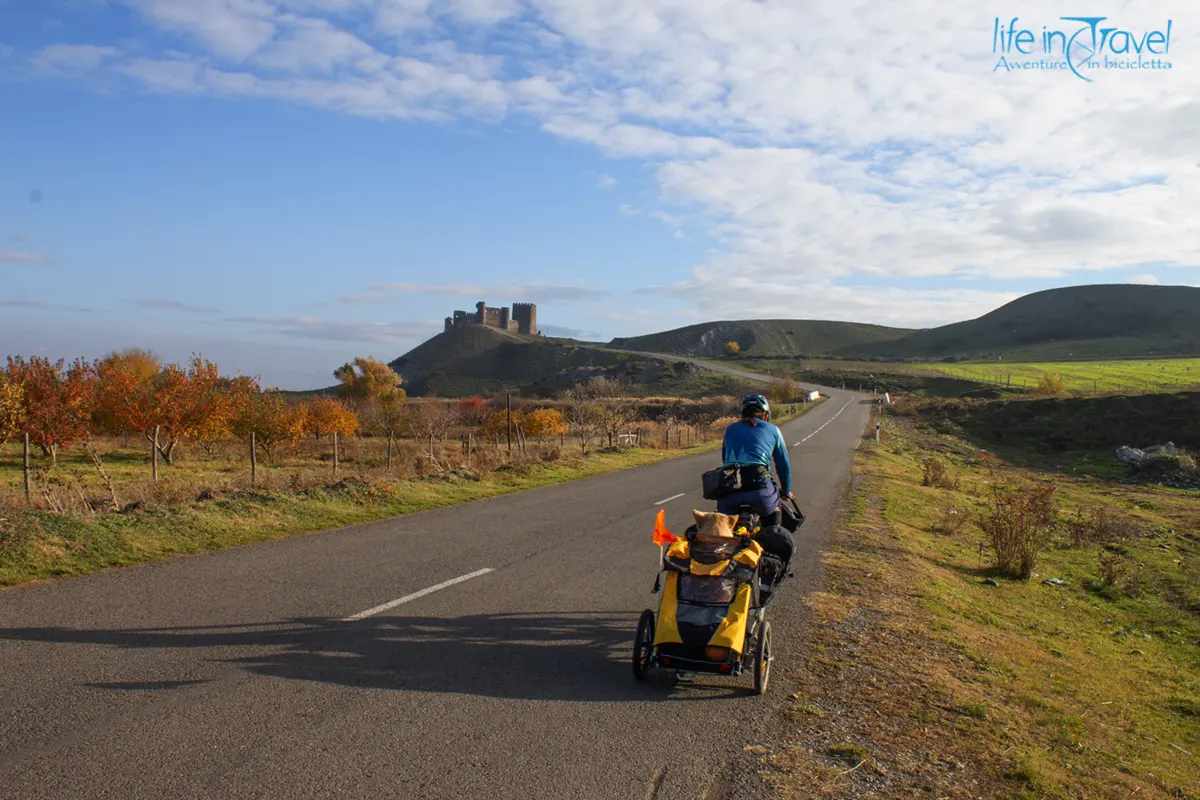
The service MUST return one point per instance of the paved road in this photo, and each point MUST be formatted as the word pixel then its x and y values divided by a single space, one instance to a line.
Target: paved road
pixel 232 674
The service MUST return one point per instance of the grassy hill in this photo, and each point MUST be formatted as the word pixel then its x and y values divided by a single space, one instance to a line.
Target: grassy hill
pixel 1102 321
pixel 1082 322
pixel 769 337
pixel 484 361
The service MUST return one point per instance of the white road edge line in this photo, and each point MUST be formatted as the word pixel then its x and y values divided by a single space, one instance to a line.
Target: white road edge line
pixel 408 598
pixel 818 430
pixel 669 499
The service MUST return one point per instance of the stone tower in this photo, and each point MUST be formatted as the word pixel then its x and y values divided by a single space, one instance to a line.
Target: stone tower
pixel 481 313
pixel 505 319
pixel 525 315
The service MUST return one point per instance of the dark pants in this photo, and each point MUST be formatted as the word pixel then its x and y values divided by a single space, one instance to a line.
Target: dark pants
pixel 764 502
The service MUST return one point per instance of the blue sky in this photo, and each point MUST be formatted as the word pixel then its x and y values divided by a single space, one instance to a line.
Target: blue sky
pixel 285 184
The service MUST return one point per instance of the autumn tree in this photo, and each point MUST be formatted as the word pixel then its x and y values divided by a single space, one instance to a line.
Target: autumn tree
pixel 368 379
pixel 183 401
pixel 495 425
pixel 732 348
pixel 270 418
pixel 545 422
pixel 57 401
pixel 124 377
pixel 324 416
pixel 224 404
pixel 166 404
pixel 12 408
pixel 473 411
pixel 1050 383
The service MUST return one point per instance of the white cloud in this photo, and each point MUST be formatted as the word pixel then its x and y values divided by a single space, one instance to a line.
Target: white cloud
pixel 9 302
pixel 316 45
pixel 1145 278
pixel 533 291
pixel 742 297
pixel 65 58
pixel 21 257
pixel 335 330
pixel 229 29
pixel 607 181
pixel 175 305
pixel 821 144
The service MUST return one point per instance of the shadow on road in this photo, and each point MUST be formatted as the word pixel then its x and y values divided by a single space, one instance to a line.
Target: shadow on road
pixel 565 656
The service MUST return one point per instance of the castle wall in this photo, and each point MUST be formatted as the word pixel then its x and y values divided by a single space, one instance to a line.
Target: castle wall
pixel 522 317
pixel 525 315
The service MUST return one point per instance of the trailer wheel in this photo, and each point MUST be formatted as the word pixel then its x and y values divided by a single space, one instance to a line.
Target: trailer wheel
pixel 643 645
pixel 762 659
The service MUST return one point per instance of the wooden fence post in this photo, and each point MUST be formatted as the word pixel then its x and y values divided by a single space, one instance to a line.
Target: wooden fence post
pixel 25 468
pixel 335 453
pixel 253 459
pixel 154 455
pixel 508 408
pixel 391 436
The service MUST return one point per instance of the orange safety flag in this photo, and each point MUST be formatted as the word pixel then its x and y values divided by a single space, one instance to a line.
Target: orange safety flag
pixel 661 534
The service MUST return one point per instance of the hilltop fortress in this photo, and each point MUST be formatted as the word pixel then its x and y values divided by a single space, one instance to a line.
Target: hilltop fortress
pixel 522 319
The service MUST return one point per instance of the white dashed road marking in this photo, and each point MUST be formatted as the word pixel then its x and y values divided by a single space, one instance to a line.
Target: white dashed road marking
pixel 408 598
pixel 669 499
pixel 818 430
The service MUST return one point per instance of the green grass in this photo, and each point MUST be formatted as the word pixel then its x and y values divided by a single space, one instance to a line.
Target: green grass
pixel 1084 687
pixel 1156 375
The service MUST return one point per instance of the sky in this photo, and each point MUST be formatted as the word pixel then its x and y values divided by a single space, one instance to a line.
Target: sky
pixel 283 185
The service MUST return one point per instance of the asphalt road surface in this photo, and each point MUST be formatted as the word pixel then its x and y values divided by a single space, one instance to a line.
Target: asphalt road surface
pixel 240 674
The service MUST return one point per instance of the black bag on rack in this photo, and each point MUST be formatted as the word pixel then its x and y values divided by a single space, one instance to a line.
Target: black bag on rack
pixel 721 482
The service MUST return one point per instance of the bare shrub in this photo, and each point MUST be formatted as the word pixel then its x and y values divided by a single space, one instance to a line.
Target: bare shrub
pixel 1123 574
pixel 1016 521
pixel 1099 524
pixel 1112 568
pixel 951 520
pixel 937 474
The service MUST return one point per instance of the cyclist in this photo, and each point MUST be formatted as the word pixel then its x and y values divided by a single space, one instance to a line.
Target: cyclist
pixel 752 444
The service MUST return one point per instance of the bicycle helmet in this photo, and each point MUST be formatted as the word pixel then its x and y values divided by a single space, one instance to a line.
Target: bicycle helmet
pixel 756 401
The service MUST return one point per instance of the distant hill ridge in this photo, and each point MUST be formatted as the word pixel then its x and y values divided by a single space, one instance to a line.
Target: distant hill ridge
pixel 1101 321
pixel 768 337
pixel 1098 321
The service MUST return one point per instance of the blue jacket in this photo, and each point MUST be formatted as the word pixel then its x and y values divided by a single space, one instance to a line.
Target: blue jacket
pixel 745 445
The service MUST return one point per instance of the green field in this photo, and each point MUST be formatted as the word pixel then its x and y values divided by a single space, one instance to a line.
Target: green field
pixel 942 678
pixel 1154 375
